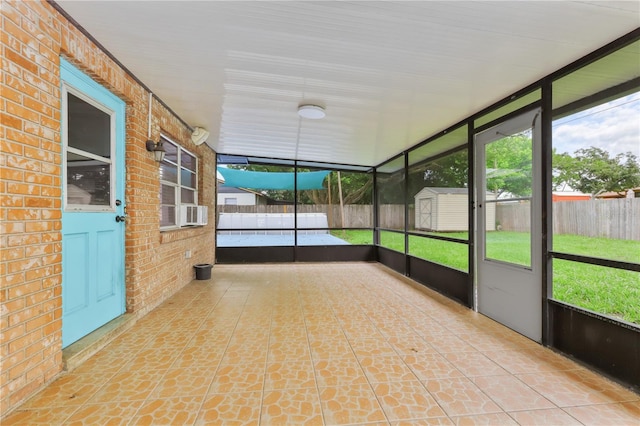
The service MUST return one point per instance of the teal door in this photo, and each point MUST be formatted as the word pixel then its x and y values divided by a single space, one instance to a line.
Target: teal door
pixel 93 134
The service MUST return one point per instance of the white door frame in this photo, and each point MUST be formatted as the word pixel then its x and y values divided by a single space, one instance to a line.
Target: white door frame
pixel 506 292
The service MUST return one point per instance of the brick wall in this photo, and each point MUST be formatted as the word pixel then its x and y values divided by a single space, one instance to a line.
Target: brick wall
pixel 33 37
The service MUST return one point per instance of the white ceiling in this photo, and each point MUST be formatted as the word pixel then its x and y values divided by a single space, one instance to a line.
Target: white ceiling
pixel 389 74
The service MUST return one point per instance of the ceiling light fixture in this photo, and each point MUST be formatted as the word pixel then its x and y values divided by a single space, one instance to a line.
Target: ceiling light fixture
pixel 313 112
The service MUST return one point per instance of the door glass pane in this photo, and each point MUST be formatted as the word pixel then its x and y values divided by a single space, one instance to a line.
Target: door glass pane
pixel 89 129
pixel 508 191
pixel 88 181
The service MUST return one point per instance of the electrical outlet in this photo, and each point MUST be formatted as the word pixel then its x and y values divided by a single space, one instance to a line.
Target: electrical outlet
pixel 187 254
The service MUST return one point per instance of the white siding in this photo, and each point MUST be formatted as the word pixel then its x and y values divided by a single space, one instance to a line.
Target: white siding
pixel 452 212
pixel 491 213
pixel 449 212
pixel 243 198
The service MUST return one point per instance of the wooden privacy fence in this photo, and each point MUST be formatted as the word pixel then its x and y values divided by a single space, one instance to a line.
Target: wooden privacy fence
pixel 618 218
pixel 355 215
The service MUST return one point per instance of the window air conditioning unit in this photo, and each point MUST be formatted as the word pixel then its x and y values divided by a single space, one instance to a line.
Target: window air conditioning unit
pixel 193 215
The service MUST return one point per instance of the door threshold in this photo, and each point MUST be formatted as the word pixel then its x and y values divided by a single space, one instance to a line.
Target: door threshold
pixel 78 352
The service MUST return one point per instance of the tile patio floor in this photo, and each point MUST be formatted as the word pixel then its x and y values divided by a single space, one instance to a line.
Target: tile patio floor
pixel 332 344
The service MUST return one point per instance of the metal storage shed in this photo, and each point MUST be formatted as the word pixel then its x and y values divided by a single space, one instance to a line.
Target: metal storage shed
pixel 445 209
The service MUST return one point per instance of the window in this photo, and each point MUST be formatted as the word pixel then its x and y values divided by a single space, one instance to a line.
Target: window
pixel 89 156
pixel 178 182
pixel 439 200
pixel 596 167
pixel 230 201
pixel 257 224
pixel 391 204
pixel 343 207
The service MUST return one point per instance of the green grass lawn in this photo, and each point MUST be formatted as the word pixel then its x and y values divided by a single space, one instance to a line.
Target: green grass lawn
pixel 607 291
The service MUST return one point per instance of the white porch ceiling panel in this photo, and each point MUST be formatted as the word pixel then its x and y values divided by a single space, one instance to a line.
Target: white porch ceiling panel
pixel 389 73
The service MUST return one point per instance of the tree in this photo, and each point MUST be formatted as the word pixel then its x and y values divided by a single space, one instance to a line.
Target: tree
pixel 508 162
pixel 592 171
pixel 449 171
pixel 356 189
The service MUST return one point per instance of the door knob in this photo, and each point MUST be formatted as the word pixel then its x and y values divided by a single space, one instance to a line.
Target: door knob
pixel 120 218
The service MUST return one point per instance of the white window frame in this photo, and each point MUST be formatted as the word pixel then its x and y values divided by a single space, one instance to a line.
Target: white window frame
pixel 177 186
pixel 111 162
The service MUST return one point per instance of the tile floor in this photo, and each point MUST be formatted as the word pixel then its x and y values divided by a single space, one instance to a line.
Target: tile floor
pixel 324 344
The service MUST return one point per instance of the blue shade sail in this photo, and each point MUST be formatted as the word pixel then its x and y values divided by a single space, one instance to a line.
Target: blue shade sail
pixel 272 180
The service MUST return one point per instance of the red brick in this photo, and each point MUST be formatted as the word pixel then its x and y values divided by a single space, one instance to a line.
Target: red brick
pixel 20 85
pixel 12 228
pixel 25 289
pixel 39 297
pixel 21 240
pixel 12 333
pixel 49 191
pixel 52 236
pixel 52 169
pixel 23 389
pixel 11 201
pixel 51 32
pixel 38 178
pixel 49 122
pixel 20 162
pixel 38 83
pixel 53 327
pixel 21 368
pixel 23 188
pixel 13 279
pixel 10 12
pixel 39 322
pixel 39 250
pixel 20 60
pixel 11 174
pixel 37 273
pixel 49 214
pixel 11 253
pixel 14 305
pixel 39 226
pixel 38 106
pixel 22 137
pixel 14 95
pixel 39 154
pixel 19 111
pixel 24 341
pixel 23 214
pixel 11 121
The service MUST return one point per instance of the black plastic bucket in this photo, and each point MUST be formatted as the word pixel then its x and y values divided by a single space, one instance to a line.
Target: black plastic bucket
pixel 203 271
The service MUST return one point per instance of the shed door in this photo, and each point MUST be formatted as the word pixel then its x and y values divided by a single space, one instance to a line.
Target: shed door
pixel 425 213
pixel 93 194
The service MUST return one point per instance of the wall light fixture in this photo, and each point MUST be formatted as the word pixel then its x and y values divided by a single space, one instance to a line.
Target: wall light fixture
pixel 157 149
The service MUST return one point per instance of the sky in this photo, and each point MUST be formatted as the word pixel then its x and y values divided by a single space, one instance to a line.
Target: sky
pixel 613 126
